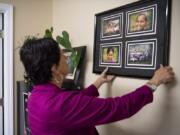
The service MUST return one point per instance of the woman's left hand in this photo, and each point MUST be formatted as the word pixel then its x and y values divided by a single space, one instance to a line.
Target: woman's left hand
pixel 103 78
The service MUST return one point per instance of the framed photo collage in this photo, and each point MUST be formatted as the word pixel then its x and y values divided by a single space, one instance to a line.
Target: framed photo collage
pixel 132 40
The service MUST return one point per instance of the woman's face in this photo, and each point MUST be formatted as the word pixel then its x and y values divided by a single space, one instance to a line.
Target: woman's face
pixel 141 22
pixel 110 55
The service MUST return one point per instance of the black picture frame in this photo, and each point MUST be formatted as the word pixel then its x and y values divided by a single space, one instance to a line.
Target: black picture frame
pixel 140 31
pixel 73 79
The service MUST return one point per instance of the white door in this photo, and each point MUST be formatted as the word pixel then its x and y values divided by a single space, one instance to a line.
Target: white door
pixel 1 75
pixel 6 69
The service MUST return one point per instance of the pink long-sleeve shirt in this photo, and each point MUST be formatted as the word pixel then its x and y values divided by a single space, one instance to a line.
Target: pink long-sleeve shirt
pixel 53 111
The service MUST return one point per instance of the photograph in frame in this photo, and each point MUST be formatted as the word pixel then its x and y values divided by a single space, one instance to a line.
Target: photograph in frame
pixel 111 27
pixel 74 77
pixel 141 21
pixel 141 54
pixel 71 68
pixel 111 55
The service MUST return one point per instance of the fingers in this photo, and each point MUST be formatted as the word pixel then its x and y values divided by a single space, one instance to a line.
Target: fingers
pixel 168 68
pixel 169 79
pixel 170 74
pixel 110 77
pixel 105 71
pixel 170 71
pixel 105 77
pixel 164 75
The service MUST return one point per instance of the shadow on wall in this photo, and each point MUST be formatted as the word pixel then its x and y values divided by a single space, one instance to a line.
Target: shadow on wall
pixel 164 121
pixel 116 130
pixel 166 118
pixel 84 68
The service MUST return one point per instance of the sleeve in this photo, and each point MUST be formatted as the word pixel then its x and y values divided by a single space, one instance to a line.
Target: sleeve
pixel 91 91
pixel 86 111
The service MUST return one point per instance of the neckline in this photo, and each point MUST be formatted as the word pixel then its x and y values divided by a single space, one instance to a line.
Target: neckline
pixel 46 86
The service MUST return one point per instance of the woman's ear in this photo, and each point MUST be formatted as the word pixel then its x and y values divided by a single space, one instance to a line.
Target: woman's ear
pixel 54 69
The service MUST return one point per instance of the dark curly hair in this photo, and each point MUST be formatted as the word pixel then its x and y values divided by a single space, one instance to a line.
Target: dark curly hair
pixel 38 56
pixel 110 49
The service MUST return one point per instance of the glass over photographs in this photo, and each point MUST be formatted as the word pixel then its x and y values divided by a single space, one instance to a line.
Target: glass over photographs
pixel 141 54
pixel 111 27
pixel 143 30
pixel 141 21
pixel 111 55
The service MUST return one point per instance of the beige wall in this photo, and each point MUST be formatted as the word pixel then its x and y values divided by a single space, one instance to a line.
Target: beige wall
pixel 30 18
pixel 159 118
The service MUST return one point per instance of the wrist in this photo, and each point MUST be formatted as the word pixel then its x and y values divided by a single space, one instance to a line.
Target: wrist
pixel 97 83
pixel 152 87
pixel 154 82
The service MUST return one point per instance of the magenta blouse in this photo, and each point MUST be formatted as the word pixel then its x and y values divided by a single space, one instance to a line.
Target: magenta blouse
pixel 53 111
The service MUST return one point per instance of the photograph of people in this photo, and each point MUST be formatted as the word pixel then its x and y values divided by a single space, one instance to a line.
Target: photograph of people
pixel 141 21
pixel 71 68
pixel 140 54
pixel 110 54
pixel 111 26
pixel 69 62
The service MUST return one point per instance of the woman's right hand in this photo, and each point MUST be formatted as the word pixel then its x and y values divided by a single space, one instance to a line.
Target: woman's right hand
pixel 162 76
pixel 103 78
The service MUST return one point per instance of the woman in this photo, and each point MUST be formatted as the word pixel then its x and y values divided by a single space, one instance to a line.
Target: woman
pixel 53 111
pixel 141 23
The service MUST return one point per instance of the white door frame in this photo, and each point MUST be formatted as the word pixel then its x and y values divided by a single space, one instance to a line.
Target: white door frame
pixel 8 69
